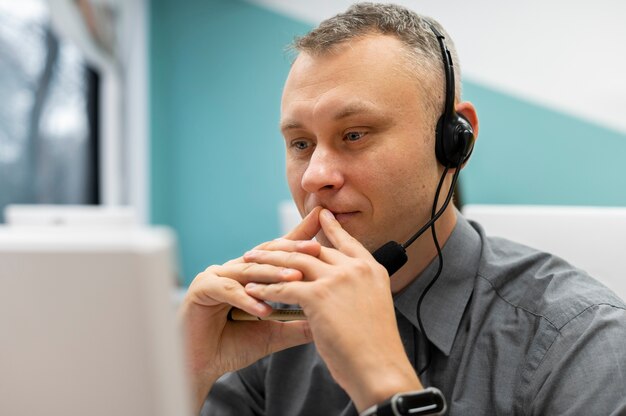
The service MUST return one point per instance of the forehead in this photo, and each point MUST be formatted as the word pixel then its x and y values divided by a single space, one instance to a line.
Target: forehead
pixel 372 70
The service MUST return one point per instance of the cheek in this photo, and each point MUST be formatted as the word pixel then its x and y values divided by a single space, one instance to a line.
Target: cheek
pixel 405 194
pixel 294 180
pixel 394 174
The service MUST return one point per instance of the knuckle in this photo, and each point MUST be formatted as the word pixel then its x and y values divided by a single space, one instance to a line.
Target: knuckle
pixel 319 290
pixel 278 288
pixel 309 247
pixel 292 258
pixel 247 269
pixel 361 266
pixel 380 269
pixel 230 285
pixel 209 273
pixel 211 269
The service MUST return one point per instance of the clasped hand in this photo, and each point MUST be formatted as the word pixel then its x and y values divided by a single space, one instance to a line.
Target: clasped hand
pixel 343 291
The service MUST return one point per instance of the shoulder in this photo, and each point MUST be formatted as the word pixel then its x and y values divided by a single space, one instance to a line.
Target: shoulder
pixel 541 283
pixel 547 333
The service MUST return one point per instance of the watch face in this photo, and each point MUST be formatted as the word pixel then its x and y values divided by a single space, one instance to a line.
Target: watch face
pixel 426 402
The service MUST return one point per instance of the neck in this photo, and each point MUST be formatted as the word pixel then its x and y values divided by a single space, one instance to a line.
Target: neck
pixel 422 252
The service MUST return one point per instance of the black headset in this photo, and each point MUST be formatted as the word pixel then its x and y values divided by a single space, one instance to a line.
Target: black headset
pixel 454 136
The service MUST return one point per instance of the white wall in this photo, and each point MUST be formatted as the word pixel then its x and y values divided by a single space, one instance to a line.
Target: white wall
pixel 565 54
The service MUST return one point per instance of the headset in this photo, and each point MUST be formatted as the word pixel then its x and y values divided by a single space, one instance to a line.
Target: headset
pixel 454 143
pixel 454 134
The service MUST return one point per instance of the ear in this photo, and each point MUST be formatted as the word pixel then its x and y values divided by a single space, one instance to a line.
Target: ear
pixel 467 110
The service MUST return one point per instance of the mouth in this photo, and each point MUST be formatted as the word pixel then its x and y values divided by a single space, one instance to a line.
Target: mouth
pixel 344 217
pixel 343 213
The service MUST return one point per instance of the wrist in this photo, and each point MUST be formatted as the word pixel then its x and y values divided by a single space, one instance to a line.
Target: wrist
pixel 382 383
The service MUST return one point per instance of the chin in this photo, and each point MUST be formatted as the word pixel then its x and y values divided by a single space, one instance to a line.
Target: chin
pixel 369 245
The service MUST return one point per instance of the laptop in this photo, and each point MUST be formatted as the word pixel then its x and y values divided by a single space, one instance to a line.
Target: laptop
pixel 88 323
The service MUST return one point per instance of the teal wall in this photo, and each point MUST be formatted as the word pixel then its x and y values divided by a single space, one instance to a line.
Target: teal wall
pixel 528 154
pixel 217 69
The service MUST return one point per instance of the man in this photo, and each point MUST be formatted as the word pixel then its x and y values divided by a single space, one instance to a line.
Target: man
pixel 503 330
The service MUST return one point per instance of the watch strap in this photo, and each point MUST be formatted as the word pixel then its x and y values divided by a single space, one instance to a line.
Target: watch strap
pixel 429 401
pixel 386 408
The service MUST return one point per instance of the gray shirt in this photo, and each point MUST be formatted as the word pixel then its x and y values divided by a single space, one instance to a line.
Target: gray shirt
pixel 509 331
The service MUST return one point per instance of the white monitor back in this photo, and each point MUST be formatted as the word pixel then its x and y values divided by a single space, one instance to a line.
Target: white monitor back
pixel 288 216
pixel 591 238
pixel 70 215
pixel 87 323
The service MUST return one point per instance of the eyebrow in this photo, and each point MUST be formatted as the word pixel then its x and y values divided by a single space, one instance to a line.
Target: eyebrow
pixel 343 112
pixel 352 109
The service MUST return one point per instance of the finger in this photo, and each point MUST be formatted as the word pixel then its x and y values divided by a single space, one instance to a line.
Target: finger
pixel 308 228
pixel 332 255
pixel 233 261
pixel 215 290
pixel 254 272
pixel 309 266
pixel 339 238
pixel 309 247
pixel 282 335
pixel 279 292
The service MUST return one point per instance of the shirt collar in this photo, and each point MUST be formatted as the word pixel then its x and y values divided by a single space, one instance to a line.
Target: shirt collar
pixel 443 306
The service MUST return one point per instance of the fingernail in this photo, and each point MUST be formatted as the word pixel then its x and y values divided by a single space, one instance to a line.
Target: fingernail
pixel 328 214
pixel 250 285
pixel 287 272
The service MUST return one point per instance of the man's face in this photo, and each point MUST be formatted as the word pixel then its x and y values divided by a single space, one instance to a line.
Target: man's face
pixel 358 142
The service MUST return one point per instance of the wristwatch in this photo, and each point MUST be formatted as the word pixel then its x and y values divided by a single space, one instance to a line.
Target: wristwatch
pixel 429 401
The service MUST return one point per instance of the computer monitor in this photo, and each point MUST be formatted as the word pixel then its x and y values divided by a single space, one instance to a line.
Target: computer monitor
pixel 87 323
pixel 591 238
pixel 70 215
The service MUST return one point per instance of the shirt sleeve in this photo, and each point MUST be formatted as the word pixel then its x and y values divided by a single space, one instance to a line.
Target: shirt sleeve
pixel 584 370
pixel 240 393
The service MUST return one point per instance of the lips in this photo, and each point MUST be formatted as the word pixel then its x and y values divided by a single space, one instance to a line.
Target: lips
pixel 343 217
pixel 342 213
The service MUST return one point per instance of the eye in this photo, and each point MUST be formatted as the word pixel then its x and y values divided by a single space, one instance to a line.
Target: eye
pixel 353 136
pixel 300 144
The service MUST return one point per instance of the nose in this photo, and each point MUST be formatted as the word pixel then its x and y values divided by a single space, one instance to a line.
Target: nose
pixel 323 173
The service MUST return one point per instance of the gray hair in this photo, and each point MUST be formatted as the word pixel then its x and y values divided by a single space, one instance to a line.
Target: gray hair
pixel 412 29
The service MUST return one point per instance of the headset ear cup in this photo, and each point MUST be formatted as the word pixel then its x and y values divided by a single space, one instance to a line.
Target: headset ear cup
pixel 454 141
pixel 464 139
pixel 440 145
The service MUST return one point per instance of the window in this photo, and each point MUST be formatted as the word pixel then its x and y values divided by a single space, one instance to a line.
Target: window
pixel 48 112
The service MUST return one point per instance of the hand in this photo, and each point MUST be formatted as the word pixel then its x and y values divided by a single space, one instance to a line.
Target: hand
pixel 346 297
pixel 214 344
